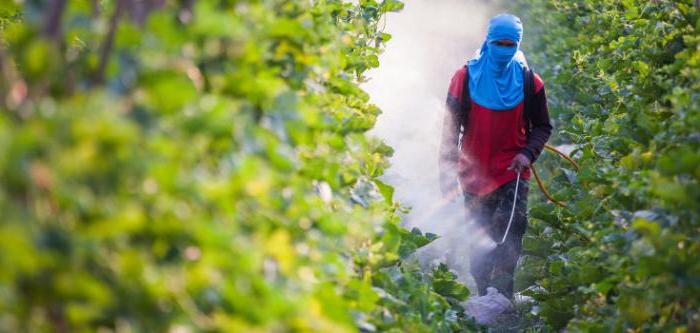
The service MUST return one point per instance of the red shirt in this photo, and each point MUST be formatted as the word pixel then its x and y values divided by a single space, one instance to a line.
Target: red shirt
pixel 492 138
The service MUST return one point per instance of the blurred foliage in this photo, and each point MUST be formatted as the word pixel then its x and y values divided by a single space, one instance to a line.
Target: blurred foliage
pixel 202 166
pixel 623 80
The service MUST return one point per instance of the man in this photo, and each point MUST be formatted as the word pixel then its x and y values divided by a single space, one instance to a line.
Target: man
pixel 504 131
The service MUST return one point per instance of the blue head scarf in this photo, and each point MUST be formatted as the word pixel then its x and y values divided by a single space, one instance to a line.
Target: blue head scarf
pixel 495 76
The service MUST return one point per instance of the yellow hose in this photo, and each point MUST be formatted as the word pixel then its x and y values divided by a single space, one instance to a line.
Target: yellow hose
pixel 539 180
pixel 544 189
pixel 576 166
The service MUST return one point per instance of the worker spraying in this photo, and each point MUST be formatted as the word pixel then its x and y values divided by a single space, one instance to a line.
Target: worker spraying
pixel 495 126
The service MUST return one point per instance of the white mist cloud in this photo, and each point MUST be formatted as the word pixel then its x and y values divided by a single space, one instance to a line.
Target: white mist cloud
pixel 431 40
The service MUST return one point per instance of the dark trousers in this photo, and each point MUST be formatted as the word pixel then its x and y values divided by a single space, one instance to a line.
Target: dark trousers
pixel 494 266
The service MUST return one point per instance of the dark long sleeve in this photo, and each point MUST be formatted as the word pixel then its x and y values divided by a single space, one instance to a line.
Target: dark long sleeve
pixel 540 127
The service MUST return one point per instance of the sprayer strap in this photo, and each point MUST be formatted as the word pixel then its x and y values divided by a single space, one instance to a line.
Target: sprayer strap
pixel 466 98
pixel 530 102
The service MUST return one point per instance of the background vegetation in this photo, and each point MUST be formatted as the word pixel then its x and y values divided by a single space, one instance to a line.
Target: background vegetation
pixel 623 79
pixel 201 166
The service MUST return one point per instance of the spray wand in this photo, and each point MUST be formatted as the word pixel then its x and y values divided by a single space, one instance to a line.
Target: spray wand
pixel 512 211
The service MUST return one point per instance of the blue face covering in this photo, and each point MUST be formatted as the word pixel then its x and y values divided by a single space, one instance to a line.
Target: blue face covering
pixel 495 76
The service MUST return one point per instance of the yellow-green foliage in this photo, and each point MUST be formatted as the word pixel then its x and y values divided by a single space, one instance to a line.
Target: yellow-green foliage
pixel 208 171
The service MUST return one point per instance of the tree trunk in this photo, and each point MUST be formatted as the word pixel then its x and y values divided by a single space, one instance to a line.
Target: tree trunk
pixel 108 43
pixel 52 18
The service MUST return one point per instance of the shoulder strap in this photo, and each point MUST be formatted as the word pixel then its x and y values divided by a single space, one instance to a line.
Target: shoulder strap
pixel 465 105
pixel 529 87
pixel 466 98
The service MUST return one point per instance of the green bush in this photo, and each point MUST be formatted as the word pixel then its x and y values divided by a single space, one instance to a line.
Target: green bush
pixel 623 78
pixel 201 166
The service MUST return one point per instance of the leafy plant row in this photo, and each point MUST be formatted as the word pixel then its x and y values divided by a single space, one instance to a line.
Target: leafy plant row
pixel 623 78
pixel 201 166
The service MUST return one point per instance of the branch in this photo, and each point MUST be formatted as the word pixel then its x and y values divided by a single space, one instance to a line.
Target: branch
pixel 108 44
pixel 52 19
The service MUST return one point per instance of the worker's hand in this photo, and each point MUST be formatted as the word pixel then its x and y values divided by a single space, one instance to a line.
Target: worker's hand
pixel 520 163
